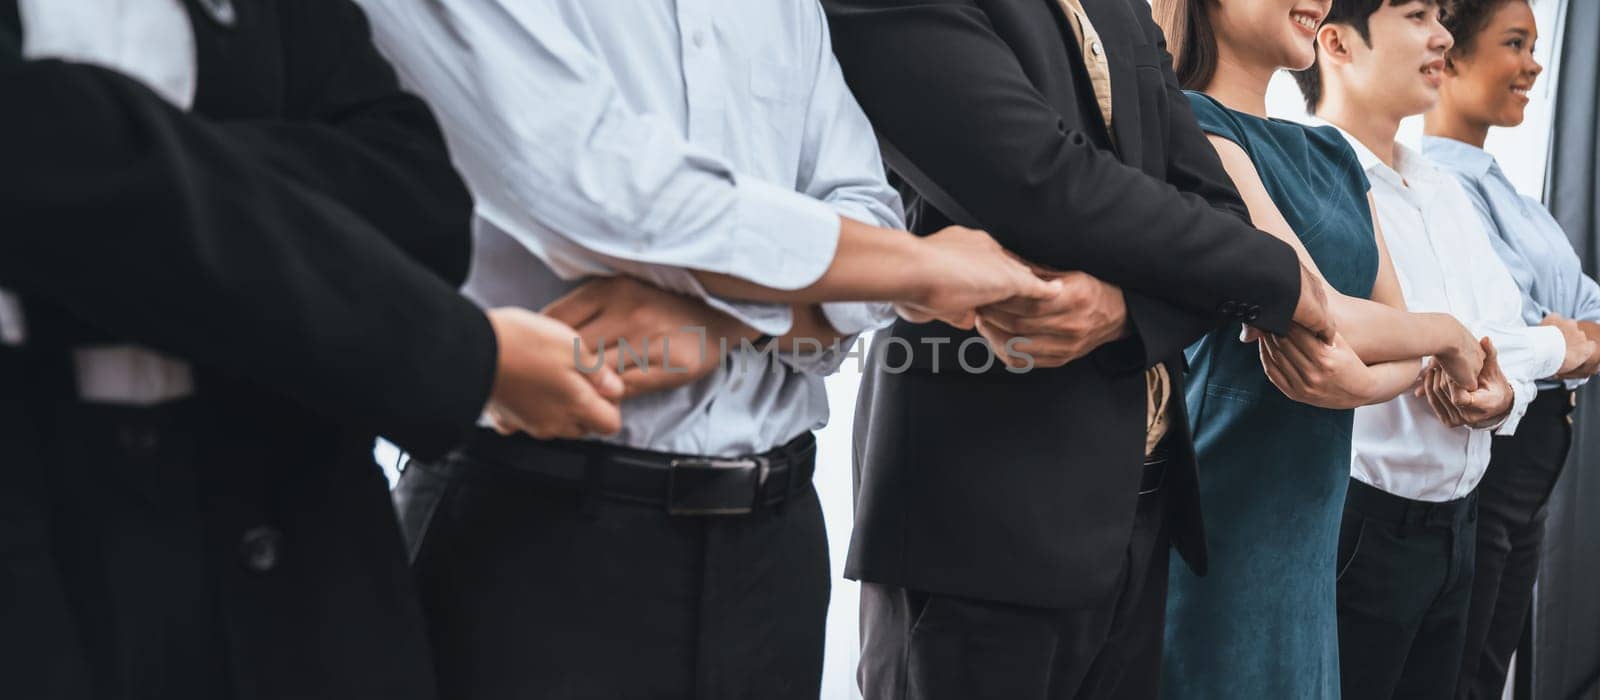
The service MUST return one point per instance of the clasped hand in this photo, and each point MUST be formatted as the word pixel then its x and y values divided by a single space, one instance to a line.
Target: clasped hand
pixel 1457 406
pixel 562 373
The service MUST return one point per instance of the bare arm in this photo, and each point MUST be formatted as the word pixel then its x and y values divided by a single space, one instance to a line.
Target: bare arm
pixel 1378 330
pixel 945 276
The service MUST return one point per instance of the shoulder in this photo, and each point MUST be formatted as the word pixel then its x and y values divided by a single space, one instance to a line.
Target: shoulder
pixel 1215 118
pixel 1330 145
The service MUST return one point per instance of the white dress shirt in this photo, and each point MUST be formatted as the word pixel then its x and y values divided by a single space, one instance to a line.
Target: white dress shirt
pixel 651 138
pixel 1445 263
pixel 150 41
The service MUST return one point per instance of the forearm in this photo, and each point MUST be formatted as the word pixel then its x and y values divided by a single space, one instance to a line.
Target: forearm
pixel 1387 380
pixel 998 157
pixel 1379 333
pixel 869 264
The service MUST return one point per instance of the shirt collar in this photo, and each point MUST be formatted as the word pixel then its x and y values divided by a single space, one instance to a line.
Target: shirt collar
pixel 1370 162
pixel 1465 157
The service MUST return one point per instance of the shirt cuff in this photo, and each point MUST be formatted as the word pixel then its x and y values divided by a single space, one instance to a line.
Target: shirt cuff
pixel 1526 352
pixel 853 318
pixel 1523 393
pixel 1550 347
pixel 784 239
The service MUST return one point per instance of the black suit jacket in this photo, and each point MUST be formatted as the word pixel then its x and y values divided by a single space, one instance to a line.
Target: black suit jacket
pixel 1022 488
pixel 298 238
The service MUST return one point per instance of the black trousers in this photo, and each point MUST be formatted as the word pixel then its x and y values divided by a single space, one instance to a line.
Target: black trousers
pixel 1511 514
pixel 1404 583
pixel 937 647
pixel 534 590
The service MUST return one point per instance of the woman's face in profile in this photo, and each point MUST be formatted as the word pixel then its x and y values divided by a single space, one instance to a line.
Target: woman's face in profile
pixel 1269 33
pixel 1490 80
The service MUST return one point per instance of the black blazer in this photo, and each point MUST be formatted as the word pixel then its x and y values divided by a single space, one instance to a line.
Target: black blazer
pixel 298 238
pixel 1022 488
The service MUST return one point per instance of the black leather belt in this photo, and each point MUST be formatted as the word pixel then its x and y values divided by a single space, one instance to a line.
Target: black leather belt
pixel 683 484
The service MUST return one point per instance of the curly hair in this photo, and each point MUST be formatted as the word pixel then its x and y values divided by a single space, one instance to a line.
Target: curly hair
pixel 1467 18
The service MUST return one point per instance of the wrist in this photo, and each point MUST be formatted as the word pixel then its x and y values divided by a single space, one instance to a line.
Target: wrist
pixel 911 283
pixel 1450 337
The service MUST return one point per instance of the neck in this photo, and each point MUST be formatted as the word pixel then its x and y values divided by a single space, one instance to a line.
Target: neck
pixel 1450 124
pixel 1238 85
pixel 1370 125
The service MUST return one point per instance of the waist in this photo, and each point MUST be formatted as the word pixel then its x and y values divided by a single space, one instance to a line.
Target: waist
pixel 1377 504
pixel 1553 402
pixel 684 484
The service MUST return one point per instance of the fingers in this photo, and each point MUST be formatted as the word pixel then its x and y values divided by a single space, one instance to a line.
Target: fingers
pixel 1277 375
pixel 1491 362
pixel 1436 400
pixel 966 320
pixel 594 413
pixel 1294 359
pixel 1444 392
pixel 607 383
pixel 1038 289
pixel 580 305
pixel 1293 383
pixel 1010 323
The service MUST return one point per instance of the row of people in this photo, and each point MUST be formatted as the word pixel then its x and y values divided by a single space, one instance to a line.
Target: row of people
pixel 706 171
pixel 1357 530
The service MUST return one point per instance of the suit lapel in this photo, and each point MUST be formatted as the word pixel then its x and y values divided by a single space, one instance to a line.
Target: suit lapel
pixel 1112 22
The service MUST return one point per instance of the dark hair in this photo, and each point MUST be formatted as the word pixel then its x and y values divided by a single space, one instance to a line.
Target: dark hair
pixel 1357 14
pixel 1466 19
pixel 1190 40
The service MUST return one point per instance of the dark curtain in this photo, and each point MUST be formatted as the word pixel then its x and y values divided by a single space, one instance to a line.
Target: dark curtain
pixel 1561 655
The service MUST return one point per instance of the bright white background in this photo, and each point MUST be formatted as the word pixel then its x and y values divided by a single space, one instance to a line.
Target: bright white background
pixel 1522 154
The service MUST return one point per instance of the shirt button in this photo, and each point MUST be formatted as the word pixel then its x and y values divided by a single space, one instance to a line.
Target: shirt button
pixel 699 38
pixel 1228 308
pixel 1096 49
pixel 260 548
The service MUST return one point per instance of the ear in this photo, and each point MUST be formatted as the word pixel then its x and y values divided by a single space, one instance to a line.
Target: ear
pixel 1334 41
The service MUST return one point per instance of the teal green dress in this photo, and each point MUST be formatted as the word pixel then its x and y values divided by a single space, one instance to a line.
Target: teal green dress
pixel 1273 472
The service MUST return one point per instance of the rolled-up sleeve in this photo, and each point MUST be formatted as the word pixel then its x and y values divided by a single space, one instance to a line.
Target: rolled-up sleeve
pixel 559 160
pixel 841 165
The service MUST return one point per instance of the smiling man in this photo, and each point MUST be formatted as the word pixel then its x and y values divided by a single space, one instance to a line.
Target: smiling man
pixel 1406 545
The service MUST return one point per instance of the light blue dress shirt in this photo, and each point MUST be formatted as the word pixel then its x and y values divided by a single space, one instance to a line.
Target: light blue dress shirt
pixel 1527 237
pixel 651 138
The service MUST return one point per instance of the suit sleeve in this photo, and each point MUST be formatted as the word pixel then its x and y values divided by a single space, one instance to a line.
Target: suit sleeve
pixel 352 134
pixel 960 119
pixel 161 227
pixel 1163 329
